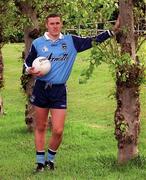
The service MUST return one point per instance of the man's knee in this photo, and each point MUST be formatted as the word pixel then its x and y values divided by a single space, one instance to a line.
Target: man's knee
pixel 40 128
pixel 58 132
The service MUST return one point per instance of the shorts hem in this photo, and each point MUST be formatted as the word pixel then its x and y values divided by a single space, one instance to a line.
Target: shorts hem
pixel 48 107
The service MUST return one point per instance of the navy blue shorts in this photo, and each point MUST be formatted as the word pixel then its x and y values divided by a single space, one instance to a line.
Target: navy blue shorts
pixel 49 96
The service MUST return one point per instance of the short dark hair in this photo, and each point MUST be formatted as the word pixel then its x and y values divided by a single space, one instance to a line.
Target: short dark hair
pixel 52 15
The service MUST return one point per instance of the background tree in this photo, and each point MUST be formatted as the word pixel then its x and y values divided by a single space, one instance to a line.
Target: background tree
pixel 127 115
pixel 3 11
pixel 128 70
pixel 127 88
pixel 31 31
pixel 6 23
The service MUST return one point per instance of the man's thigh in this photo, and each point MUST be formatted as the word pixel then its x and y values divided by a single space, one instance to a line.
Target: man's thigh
pixel 41 116
pixel 58 118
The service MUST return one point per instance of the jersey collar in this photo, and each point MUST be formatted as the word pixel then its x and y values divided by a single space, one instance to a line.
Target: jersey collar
pixel 61 36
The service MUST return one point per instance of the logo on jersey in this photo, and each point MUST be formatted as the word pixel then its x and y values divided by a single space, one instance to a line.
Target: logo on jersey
pixel 32 98
pixel 45 49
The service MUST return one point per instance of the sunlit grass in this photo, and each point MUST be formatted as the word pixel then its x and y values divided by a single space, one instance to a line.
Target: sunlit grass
pixel 89 148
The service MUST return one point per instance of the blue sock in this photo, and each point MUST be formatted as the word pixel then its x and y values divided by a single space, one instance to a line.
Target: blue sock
pixel 40 157
pixel 51 155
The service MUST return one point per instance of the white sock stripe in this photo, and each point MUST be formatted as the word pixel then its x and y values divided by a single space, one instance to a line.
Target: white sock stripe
pixel 52 150
pixel 41 151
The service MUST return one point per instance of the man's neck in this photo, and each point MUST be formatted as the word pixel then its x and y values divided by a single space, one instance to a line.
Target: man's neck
pixel 53 38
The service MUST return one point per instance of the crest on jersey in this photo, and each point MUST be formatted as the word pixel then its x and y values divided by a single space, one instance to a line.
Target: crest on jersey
pixel 64 46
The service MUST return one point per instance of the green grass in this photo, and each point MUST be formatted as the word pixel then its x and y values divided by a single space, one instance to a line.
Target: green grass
pixel 89 148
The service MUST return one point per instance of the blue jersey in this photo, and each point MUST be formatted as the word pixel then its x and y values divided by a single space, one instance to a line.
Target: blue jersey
pixel 62 54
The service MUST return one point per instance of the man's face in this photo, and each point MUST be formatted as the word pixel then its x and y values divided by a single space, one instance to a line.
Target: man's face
pixel 54 26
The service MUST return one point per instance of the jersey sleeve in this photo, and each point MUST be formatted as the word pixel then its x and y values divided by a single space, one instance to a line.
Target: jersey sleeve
pixel 31 56
pixel 84 43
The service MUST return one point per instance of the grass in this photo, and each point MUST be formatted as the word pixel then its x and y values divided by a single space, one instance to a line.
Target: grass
pixel 89 148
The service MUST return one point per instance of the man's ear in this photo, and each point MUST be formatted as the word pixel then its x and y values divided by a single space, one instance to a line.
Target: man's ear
pixel 46 25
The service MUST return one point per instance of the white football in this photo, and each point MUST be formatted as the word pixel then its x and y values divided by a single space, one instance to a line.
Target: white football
pixel 42 64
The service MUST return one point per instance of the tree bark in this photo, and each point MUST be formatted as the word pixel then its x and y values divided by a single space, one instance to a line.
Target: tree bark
pixel 27 83
pixel 28 80
pixel 1 69
pixel 127 25
pixel 127 121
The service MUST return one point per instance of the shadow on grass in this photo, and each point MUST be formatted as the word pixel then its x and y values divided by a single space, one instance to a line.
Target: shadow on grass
pixel 25 131
pixel 22 130
pixel 111 163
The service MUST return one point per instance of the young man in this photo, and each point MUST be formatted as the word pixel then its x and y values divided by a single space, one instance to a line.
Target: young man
pixel 49 93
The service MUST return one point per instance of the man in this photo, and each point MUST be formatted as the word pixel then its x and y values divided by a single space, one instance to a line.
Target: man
pixel 49 93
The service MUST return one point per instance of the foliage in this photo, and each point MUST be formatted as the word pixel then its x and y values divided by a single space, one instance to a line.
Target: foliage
pixel 87 13
pixel 120 65
pixel 75 13
pixel 7 20
pixel 78 12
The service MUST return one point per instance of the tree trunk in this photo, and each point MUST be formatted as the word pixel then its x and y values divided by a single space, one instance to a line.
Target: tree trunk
pixel 28 81
pixel 127 26
pixel 127 122
pixel 29 111
pixel 1 81
pixel 1 106
pixel 30 33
